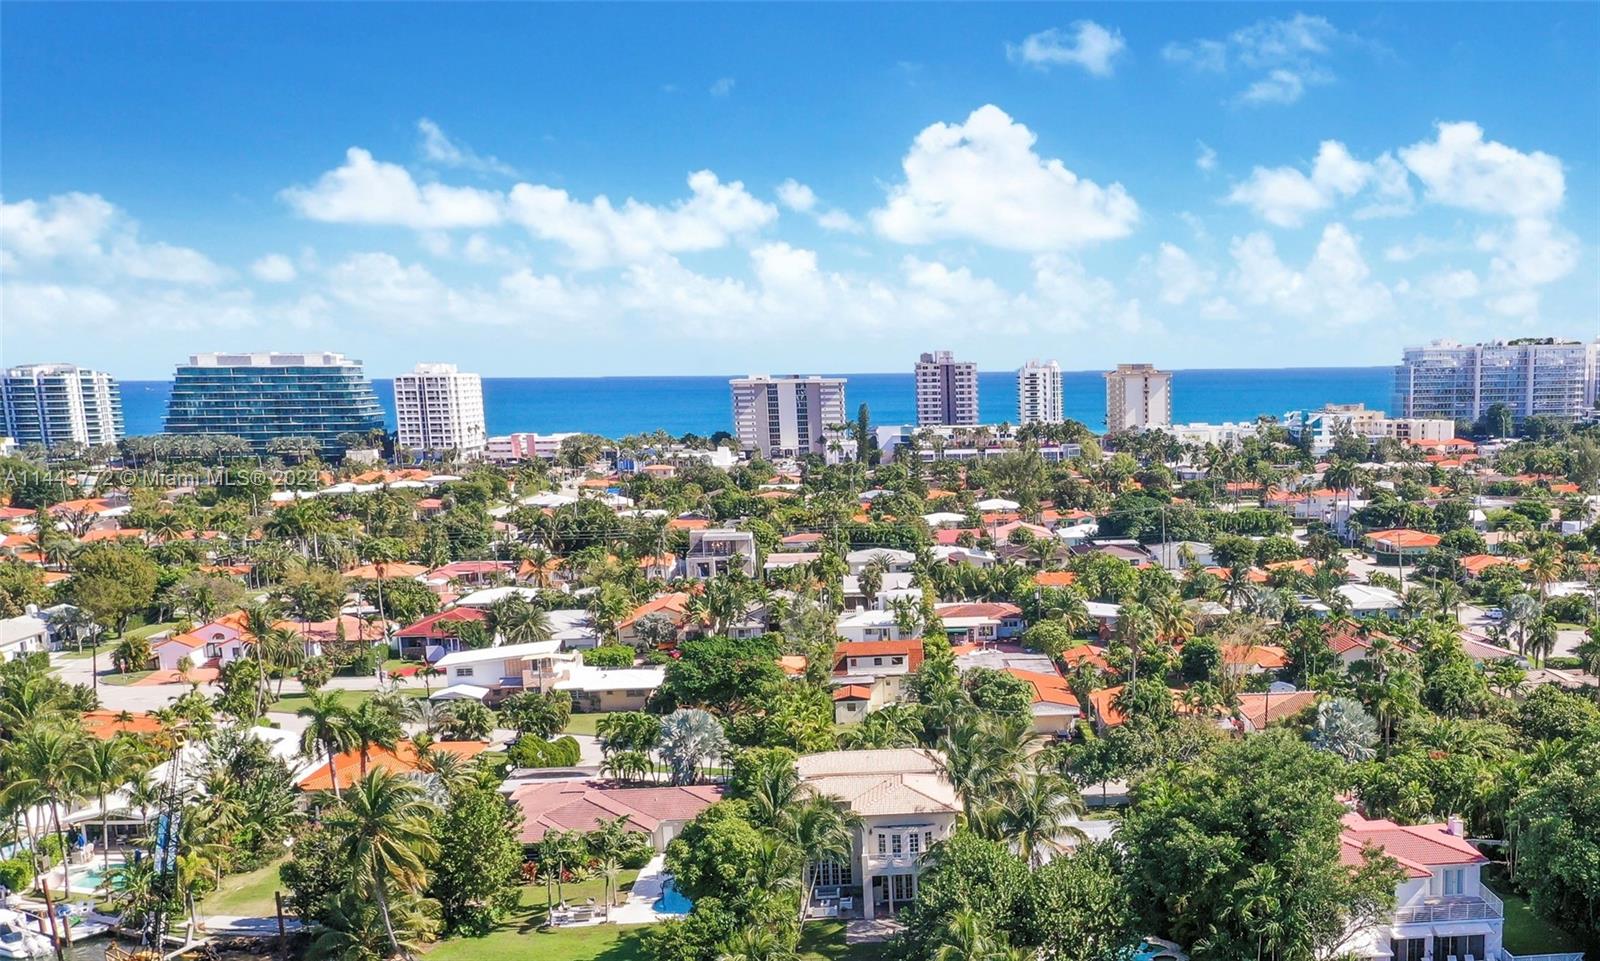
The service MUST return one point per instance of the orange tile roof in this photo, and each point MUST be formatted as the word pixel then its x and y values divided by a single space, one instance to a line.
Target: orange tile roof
pixel 1254 575
pixel 1263 709
pixel 1403 537
pixel 1047 688
pixel 852 692
pixel 402 760
pixel 1476 564
pixel 1264 656
pixel 1418 847
pixel 793 664
pixel 1093 653
pixel 106 725
pixel 671 604
pixel 91 505
pixel 689 524
pixel 911 650
pixel 115 534
pixel 1302 565
pixel 369 572
pixel 1055 578
pixel 1105 707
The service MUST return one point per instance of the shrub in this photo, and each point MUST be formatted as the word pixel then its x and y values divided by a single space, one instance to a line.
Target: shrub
pixel 533 751
pixel 16 874
pixel 611 655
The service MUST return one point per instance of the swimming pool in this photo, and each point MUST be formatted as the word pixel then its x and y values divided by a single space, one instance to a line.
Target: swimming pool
pixel 672 900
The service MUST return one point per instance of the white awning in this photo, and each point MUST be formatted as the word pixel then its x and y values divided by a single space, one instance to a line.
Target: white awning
pixel 1461 928
pixel 460 692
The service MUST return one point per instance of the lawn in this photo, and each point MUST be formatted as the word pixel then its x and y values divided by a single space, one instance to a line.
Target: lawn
pixel 246 895
pixel 1525 931
pixel 121 680
pixel 149 629
pixel 521 938
pixel 824 941
pixel 584 723
pixel 292 703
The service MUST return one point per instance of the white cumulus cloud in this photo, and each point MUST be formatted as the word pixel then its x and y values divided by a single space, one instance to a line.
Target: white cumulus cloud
pixel 274 269
pixel 982 180
pixel 1286 55
pixel 1087 45
pixel 1335 287
pixel 439 149
pixel 1285 196
pixel 368 191
pixel 1461 169
pixel 87 233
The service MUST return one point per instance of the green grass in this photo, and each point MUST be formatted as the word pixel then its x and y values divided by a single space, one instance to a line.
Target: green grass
pixel 824 941
pixel 584 723
pixel 291 703
pixel 149 629
pixel 1527 932
pixel 121 680
pixel 246 895
pixel 71 655
pixel 520 937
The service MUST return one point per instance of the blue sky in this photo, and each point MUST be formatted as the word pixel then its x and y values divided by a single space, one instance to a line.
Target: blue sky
pixel 615 189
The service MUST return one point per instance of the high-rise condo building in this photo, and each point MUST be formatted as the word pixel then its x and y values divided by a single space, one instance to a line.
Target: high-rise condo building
pixel 1039 393
pixel 262 396
pixel 438 408
pixel 947 390
pixel 1138 397
pixel 53 404
pixel 1529 376
pixel 787 416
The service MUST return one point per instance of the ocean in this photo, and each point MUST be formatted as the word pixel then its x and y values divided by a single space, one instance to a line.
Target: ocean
pixel 614 406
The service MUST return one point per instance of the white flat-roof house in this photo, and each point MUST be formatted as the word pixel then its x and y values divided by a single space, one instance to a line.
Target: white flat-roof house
pixel 905 805
pixel 714 552
pixel 492 673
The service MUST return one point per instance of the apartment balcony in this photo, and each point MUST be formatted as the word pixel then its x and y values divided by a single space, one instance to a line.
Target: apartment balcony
pixel 1487 907
pixel 880 862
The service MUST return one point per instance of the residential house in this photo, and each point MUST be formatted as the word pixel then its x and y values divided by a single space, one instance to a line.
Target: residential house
pixel 980 622
pixel 1443 908
pixel 716 551
pixel 493 673
pixel 23 635
pixel 583 805
pixel 870 674
pixel 474 574
pixel 905 807
pixel 435 635
pixel 894 585
pixel 891 559
pixel 349 766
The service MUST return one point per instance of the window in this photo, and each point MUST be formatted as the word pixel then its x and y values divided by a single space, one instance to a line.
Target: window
pixel 463 672
pixel 1452 881
pixel 877 662
pixel 883 844
pixel 1410 949
pixel 829 874
pixel 851 707
pixel 895 845
pixel 914 843
pixel 904 887
pixel 927 839
pixel 897 661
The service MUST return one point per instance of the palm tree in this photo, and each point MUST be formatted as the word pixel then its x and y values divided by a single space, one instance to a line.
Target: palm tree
pixel 1258 904
pixel 1035 813
pixel 102 768
pixel 259 622
pixel 688 738
pixel 390 840
pixel 41 764
pixel 824 833
pixel 519 621
pixel 965 939
pixel 327 731
pixel 373 725
pixel 1545 568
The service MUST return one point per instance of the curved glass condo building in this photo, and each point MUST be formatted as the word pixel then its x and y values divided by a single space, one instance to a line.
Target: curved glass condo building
pixel 262 396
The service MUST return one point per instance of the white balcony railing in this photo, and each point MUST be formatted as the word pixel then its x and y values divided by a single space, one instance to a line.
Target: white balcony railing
pixel 1562 956
pixel 1486 907
pixel 906 860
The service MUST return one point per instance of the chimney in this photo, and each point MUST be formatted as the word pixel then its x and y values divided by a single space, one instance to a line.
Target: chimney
pixel 1455 827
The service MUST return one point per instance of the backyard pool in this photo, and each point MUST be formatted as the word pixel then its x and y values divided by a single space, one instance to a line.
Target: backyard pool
pixel 672 900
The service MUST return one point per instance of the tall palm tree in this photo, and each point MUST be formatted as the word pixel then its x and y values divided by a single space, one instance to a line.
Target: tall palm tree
pixel 327 731
pixel 1036 811
pixel 260 620
pixel 373 725
pixel 824 833
pixel 390 840
pixel 42 764
pixel 102 767
pixel 966 939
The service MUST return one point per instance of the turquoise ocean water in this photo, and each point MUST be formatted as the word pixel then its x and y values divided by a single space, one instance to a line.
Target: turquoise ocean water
pixel 613 406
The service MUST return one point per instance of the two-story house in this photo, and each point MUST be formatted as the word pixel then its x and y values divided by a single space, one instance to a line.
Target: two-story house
pixel 1443 910
pixel 716 551
pixel 980 622
pixel 493 673
pixel 870 674
pixel 905 805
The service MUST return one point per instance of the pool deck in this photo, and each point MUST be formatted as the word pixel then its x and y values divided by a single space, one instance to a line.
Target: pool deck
pixel 640 906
